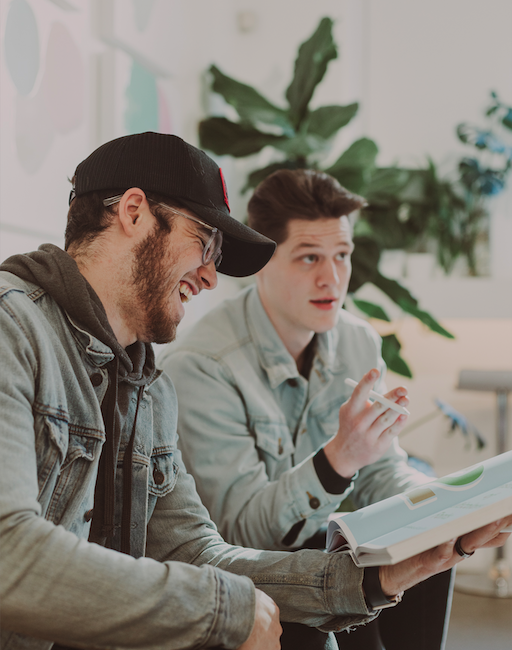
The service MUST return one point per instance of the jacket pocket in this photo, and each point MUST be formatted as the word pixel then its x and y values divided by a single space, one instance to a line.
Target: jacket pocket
pixel 273 439
pixel 163 474
pixel 67 458
pixel 52 436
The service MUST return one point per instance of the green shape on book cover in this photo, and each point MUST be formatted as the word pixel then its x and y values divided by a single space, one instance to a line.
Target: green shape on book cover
pixel 464 479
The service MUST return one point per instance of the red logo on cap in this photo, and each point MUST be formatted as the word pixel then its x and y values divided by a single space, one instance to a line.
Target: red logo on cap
pixel 224 189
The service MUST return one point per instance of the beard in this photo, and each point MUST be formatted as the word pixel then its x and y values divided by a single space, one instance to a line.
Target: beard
pixel 153 283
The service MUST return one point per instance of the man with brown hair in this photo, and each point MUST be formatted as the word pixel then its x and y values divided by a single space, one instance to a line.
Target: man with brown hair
pixel 275 442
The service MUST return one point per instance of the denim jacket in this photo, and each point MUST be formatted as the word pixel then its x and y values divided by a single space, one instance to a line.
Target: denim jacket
pixel 54 584
pixel 250 424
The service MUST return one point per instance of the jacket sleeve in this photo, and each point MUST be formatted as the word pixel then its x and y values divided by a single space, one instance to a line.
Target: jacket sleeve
pixel 311 587
pixel 221 451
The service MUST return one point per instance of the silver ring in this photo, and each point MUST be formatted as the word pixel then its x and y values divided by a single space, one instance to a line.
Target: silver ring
pixel 461 551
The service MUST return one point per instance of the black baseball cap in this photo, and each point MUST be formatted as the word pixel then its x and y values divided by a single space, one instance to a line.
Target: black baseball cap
pixel 168 165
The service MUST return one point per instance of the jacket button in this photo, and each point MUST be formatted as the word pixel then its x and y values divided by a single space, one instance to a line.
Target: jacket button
pixel 293 383
pixel 314 502
pixel 96 379
pixel 88 515
pixel 158 476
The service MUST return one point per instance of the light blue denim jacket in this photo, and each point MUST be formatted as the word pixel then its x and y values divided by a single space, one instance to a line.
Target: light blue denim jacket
pixel 56 585
pixel 250 424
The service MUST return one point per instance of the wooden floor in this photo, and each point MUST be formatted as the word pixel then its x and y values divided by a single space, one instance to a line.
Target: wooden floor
pixel 479 623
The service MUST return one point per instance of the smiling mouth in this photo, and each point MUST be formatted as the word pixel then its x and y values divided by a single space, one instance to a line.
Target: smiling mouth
pixel 185 292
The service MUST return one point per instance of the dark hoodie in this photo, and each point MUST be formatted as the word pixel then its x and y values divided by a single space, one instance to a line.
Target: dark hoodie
pixel 132 368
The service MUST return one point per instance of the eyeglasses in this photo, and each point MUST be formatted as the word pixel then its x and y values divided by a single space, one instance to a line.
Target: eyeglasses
pixel 212 250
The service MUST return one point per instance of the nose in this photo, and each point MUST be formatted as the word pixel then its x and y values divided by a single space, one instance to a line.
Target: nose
pixel 208 275
pixel 328 275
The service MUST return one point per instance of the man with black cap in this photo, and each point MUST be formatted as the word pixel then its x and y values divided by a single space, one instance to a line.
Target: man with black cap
pixel 104 540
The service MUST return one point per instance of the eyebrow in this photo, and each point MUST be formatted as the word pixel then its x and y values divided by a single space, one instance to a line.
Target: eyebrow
pixel 306 245
pixel 201 230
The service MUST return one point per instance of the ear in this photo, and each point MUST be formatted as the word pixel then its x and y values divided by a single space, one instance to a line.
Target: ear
pixel 132 208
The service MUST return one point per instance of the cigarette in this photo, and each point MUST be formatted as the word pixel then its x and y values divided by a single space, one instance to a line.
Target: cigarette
pixel 380 398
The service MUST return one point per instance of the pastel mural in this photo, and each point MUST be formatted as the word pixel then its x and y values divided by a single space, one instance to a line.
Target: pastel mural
pixel 21 46
pixel 146 107
pixel 50 89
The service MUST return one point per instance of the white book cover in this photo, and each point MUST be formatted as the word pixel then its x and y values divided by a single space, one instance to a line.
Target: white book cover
pixel 404 525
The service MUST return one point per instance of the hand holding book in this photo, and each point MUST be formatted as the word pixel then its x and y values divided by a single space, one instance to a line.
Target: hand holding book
pixel 403 575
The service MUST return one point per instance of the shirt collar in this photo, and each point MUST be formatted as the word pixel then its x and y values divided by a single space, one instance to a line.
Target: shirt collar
pixel 274 357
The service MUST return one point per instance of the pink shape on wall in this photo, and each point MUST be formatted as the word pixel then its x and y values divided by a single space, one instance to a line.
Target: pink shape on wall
pixel 34 132
pixel 63 83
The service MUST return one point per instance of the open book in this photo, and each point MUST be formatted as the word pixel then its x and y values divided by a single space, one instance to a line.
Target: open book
pixel 404 525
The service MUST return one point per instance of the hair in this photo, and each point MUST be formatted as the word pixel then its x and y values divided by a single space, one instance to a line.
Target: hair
pixel 297 194
pixel 88 217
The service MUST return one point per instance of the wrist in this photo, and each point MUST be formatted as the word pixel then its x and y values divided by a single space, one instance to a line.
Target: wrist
pixel 331 481
pixel 375 596
pixel 341 467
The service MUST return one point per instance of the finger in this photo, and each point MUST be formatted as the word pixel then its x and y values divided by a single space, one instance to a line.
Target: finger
pixel 500 540
pixel 397 393
pixel 480 537
pixel 394 429
pixel 379 418
pixel 385 422
pixel 379 408
pixel 361 392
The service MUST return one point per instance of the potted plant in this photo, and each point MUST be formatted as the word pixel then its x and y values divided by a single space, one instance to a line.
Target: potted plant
pixel 302 137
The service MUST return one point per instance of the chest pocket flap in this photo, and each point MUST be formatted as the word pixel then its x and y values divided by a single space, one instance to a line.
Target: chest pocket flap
pixel 274 439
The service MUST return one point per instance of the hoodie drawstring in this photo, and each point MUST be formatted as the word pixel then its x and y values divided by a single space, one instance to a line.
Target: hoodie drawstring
pixel 127 484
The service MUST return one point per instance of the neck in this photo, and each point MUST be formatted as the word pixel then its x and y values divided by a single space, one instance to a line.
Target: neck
pixel 294 340
pixel 103 276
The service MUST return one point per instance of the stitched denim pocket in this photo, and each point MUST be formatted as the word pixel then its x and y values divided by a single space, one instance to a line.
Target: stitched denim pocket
pixel 273 439
pixel 65 463
pixel 163 474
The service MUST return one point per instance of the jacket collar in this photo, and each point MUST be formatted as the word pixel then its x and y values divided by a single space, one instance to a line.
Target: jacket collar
pixel 274 358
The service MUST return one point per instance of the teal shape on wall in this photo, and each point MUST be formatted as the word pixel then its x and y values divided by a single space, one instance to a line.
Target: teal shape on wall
pixel 142 11
pixel 22 46
pixel 141 113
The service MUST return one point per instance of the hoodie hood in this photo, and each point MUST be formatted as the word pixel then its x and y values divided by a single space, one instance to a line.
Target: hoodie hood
pixel 57 273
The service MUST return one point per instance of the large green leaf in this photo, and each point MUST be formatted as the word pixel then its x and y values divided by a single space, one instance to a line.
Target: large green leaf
pixel 365 262
pixel 236 139
pixel 354 179
pixel 386 184
pixel 247 101
pixel 327 120
pixel 408 303
pixel 394 289
pixel 391 355
pixel 371 309
pixel 301 145
pixel 310 67
pixel 360 155
pixel 425 318
pixel 354 167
